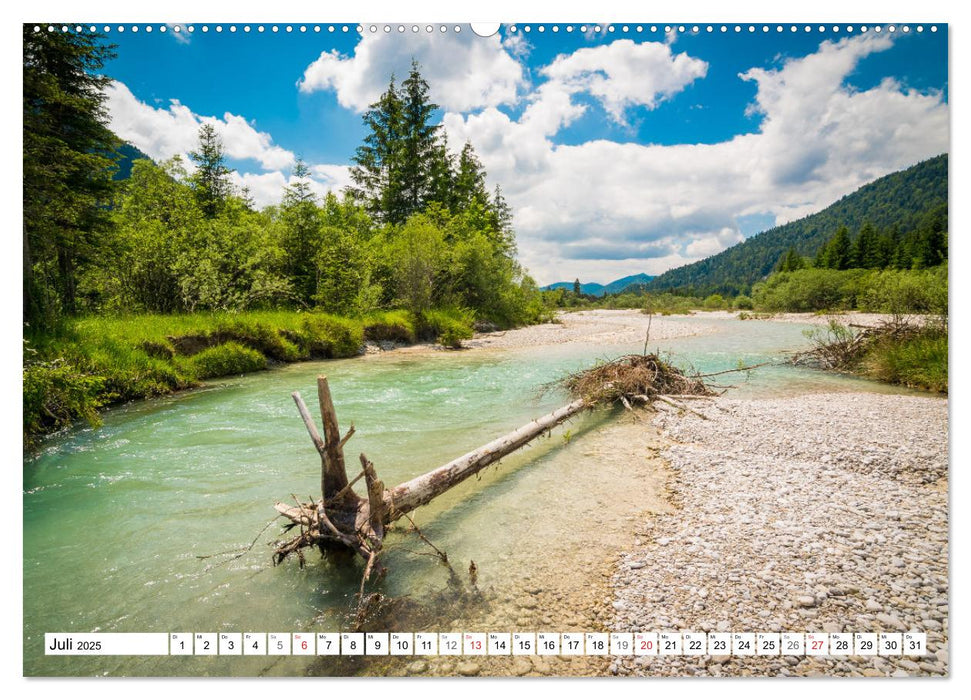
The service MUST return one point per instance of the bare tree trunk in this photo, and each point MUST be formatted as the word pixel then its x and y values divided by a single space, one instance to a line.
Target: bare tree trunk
pixel 420 490
pixel 341 516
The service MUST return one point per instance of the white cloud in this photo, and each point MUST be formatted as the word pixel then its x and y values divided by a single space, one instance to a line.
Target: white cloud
pixel 603 209
pixel 624 73
pixel 465 71
pixel 164 132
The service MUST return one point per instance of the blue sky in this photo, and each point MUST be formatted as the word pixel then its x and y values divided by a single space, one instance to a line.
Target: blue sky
pixel 620 152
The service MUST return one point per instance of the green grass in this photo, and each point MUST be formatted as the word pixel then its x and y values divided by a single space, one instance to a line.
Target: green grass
pixel 89 363
pixel 919 362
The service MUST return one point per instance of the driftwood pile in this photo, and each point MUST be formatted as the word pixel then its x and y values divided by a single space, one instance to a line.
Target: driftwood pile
pixel 841 347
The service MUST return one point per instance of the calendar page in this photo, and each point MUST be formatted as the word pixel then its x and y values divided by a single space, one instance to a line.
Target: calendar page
pixel 521 349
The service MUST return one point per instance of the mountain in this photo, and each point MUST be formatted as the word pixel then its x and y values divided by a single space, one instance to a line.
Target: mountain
pixel 127 155
pixel 598 290
pixel 900 199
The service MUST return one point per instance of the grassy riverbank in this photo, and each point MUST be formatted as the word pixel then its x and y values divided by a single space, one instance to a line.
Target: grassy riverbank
pixel 89 363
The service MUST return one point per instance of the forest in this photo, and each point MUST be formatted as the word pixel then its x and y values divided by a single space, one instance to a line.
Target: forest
pixel 118 269
pixel 904 205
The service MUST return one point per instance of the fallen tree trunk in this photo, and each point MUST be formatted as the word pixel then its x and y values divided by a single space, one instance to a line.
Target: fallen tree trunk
pixel 420 490
pixel 342 517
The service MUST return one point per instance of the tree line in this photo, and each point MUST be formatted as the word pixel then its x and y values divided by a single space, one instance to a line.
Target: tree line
pixel 922 247
pixel 417 229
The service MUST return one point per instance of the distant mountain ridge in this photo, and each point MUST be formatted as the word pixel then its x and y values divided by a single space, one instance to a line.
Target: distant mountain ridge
pixel 599 290
pixel 900 198
pixel 127 155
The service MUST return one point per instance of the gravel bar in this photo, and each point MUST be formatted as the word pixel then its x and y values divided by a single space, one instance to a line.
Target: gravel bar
pixel 823 512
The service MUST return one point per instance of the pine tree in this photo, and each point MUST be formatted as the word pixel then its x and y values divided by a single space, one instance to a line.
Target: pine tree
pixel 470 179
pixel 838 250
pixel 577 289
pixel 420 141
pixel 210 181
pixel 68 164
pixel 377 171
pixel 301 234
pixel 866 248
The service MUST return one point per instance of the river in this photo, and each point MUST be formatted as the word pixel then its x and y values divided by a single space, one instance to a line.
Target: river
pixel 121 522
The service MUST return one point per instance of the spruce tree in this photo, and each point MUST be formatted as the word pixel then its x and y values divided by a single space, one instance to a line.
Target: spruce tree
pixel 68 163
pixel 420 139
pixel 470 179
pixel 866 248
pixel 210 181
pixel 838 250
pixel 301 234
pixel 502 214
pixel 378 171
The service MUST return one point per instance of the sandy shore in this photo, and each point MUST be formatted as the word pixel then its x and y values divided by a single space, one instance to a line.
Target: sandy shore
pixel 811 513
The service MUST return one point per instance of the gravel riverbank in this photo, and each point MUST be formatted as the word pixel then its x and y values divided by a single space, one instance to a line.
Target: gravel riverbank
pixel 607 326
pixel 809 513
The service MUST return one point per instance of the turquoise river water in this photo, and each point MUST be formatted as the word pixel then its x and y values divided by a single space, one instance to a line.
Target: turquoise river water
pixel 116 519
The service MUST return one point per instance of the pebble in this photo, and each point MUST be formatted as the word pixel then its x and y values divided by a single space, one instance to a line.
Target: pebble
pixel 780 540
pixel 467 668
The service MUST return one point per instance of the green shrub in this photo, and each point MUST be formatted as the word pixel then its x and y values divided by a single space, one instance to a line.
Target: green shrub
pixel 715 301
pixel 396 326
pixel 228 358
pixel 56 394
pixel 744 302
pixel 447 326
pixel 919 362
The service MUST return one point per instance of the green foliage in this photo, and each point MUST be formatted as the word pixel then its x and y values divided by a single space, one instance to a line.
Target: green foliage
pixel 900 292
pixel 68 162
pixel 57 394
pixel 887 291
pixel 228 358
pixel 210 181
pixel 743 302
pixel 396 326
pixel 910 199
pixel 919 362
pixel 715 301
pixel 809 290
pixel 448 326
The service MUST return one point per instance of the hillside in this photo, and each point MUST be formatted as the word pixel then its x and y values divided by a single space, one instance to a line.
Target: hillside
pixel 900 198
pixel 127 155
pixel 599 290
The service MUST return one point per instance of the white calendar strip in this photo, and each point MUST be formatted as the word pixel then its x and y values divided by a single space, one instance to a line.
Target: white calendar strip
pixel 487 644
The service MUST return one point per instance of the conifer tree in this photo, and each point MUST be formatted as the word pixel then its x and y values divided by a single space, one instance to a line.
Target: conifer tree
pixel 420 139
pixel 210 181
pixel 470 179
pixel 377 172
pixel 68 165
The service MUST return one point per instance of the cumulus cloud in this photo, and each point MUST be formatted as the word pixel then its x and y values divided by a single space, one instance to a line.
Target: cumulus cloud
pixel 163 132
pixel 580 209
pixel 624 73
pixel 465 71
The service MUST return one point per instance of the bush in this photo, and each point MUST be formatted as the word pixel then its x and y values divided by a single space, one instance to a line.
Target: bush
pixel 396 326
pixel 809 290
pixel 56 394
pixel 448 326
pixel 226 359
pixel 743 302
pixel 715 301
pixel 919 362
